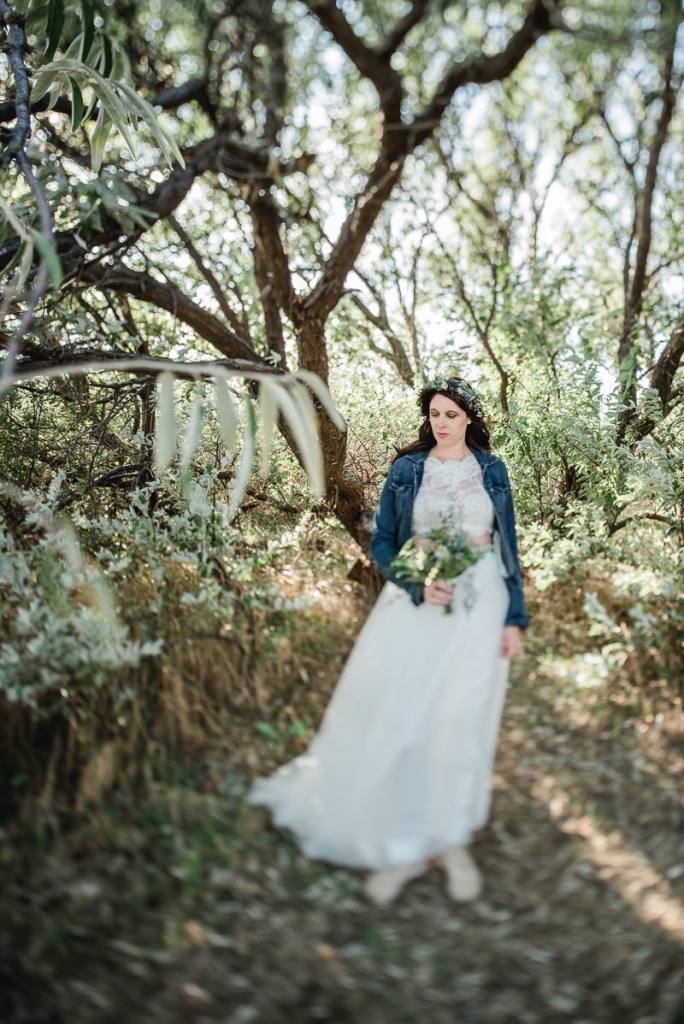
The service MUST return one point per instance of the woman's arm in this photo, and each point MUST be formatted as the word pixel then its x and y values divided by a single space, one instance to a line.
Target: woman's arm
pixel 511 641
pixel 383 545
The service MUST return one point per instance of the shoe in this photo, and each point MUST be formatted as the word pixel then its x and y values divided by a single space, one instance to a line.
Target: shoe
pixel 382 887
pixel 464 881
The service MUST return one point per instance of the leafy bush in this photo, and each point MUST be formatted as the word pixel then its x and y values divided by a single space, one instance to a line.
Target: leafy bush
pixel 59 629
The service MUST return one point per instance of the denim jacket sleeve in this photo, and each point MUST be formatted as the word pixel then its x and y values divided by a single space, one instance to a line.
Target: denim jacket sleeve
pixel 516 615
pixel 385 543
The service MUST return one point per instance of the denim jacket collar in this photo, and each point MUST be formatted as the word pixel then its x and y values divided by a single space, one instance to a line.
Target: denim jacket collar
pixel 484 457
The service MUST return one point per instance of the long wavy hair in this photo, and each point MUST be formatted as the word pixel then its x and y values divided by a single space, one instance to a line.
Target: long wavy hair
pixel 477 431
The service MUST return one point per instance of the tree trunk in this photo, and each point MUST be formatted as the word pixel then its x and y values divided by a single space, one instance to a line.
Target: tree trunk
pixel 344 493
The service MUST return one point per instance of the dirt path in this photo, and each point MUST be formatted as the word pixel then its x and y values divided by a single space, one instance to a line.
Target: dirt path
pixel 582 919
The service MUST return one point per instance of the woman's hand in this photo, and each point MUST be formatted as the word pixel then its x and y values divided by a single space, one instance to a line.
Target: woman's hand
pixel 511 641
pixel 438 592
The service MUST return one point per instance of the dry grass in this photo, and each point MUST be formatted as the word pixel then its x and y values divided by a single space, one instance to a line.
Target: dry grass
pixel 218 676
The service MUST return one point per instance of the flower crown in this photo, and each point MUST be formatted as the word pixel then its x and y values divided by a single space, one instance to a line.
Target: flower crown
pixel 459 387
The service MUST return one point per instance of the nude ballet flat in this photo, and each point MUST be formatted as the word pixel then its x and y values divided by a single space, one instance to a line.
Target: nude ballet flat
pixel 464 881
pixel 383 887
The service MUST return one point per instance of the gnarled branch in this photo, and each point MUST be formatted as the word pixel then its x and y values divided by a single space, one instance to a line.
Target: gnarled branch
pixel 398 141
pixel 169 297
pixel 17 50
pixel 643 212
pixel 661 379
pixel 240 328
pixel 396 37
pixel 372 64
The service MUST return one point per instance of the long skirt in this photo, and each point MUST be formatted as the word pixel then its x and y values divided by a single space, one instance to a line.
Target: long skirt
pixel 401 766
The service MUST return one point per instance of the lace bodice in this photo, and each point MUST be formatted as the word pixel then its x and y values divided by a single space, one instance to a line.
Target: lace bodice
pixel 453 489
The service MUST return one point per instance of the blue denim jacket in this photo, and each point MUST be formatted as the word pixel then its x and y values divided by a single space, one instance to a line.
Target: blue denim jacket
pixel 393 523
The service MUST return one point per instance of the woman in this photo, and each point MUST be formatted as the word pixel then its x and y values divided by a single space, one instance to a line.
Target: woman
pixel 399 774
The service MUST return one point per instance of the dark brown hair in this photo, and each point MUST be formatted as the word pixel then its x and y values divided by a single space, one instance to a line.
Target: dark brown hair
pixel 477 432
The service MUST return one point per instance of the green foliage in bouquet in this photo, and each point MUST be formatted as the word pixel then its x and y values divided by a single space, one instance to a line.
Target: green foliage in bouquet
pixel 442 553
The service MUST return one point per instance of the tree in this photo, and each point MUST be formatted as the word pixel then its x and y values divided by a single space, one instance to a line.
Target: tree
pixel 235 91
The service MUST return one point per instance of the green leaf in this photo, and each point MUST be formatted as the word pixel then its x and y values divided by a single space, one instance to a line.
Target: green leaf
pixel 57 89
pixel 48 255
pixel 145 111
pixel 76 104
pixel 113 107
pixel 88 19
pixel 303 423
pixel 268 405
pixel 244 473
pixel 268 730
pixel 192 436
pixel 55 25
pixel 120 100
pixel 42 81
pixel 226 413
pixel 314 382
pixel 104 90
pixel 36 18
pixel 165 427
pixel 297 728
pixel 24 257
pixel 98 140
pixel 107 57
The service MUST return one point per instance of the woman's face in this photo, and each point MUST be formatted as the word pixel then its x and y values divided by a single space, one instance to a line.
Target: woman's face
pixel 448 422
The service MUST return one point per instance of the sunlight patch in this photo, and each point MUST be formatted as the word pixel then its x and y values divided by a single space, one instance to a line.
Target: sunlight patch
pixel 624 868
pixel 584 671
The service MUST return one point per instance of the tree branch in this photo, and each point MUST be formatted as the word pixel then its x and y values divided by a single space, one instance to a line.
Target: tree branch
pixel 169 297
pixel 661 379
pixel 159 204
pixel 42 280
pixel 8 109
pixel 636 277
pixel 398 142
pixel 396 354
pixel 643 212
pixel 541 19
pixel 209 277
pixel 168 99
pixel 18 48
pixel 481 329
pixel 629 165
pixel 395 38
pixel 271 266
pixel 372 64
pixel 378 320
pixel 275 105
pixel 56 361
pixel 662 375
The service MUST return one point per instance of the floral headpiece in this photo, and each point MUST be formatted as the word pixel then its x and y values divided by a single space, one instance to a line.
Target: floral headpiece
pixel 459 387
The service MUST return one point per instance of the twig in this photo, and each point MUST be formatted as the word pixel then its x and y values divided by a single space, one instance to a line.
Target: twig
pixel 18 48
pixel 42 279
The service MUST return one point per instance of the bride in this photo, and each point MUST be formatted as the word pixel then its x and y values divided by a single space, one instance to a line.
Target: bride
pixel 398 775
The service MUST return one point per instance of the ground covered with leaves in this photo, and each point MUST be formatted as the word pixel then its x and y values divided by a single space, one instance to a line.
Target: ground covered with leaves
pixel 183 904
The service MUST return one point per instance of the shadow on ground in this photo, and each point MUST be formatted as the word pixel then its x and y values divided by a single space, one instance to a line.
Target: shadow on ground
pixel 190 908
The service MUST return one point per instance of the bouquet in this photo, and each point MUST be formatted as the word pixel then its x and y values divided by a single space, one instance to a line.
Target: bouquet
pixel 441 554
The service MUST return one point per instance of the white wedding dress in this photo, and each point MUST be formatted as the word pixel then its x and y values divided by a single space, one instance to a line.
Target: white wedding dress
pixel 401 765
